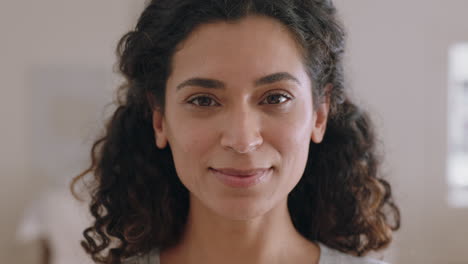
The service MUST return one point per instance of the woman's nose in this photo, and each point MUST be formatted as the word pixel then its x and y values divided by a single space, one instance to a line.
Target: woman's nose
pixel 241 131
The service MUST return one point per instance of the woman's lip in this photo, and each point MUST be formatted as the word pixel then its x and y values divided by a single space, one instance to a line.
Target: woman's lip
pixel 242 181
pixel 240 173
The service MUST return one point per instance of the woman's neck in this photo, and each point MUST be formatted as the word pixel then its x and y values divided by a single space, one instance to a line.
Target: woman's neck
pixel 270 238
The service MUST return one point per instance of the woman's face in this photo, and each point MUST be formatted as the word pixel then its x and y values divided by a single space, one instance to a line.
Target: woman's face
pixel 239 116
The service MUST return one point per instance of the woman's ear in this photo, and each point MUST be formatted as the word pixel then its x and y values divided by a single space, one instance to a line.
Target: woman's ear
pixel 159 128
pixel 321 115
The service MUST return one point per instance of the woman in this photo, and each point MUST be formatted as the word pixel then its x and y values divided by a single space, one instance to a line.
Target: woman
pixel 234 142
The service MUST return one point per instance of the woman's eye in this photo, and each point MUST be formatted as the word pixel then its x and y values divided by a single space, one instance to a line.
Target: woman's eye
pixel 203 101
pixel 277 98
pixel 206 101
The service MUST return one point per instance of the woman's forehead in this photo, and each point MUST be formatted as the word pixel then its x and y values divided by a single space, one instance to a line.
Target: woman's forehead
pixel 246 50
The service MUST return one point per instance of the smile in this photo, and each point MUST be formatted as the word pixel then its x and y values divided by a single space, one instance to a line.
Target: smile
pixel 241 179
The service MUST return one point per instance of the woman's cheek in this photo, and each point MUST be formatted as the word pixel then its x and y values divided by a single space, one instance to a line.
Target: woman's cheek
pixel 197 137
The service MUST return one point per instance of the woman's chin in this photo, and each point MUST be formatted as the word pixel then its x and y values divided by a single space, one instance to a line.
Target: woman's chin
pixel 242 210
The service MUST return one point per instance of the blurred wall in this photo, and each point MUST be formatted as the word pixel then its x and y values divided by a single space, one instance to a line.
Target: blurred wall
pixel 41 43
pixel 396 64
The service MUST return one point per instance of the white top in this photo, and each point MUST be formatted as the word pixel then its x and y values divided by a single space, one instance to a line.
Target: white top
pixel 327 256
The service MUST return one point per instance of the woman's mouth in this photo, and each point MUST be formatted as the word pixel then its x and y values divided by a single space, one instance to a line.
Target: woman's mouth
pixel 241 178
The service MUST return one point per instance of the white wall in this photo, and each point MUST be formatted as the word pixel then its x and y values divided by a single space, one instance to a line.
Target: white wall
pixel 398 52
pixel 39 38
pixel 397 59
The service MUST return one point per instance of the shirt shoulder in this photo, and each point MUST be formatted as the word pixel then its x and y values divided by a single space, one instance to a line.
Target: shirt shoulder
pixel 150 258
pixel 327 256
pixel 332 256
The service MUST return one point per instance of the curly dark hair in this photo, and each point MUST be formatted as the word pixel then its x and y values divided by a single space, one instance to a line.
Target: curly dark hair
pixel 138 201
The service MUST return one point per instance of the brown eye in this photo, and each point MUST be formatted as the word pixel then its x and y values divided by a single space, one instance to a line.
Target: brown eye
pixel 277 98
pixel 203 101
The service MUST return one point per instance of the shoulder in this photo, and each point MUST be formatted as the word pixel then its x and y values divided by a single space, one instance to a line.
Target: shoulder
pixel 149 258
pixel 327 256
pixel 332 256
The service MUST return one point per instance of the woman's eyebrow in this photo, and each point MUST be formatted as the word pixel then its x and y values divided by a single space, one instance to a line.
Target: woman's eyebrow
pixel 216 84
pixel 276 77
pixel 202 82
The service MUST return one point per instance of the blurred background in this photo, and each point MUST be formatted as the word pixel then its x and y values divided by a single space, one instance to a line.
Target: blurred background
pixel 406 63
